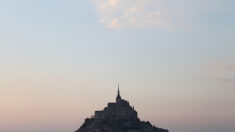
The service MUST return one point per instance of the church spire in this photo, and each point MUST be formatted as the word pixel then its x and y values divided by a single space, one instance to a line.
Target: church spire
pixel 118 98
pixel 118 90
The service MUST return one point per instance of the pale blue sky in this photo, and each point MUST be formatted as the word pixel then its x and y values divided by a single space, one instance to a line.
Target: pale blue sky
pixel 61 60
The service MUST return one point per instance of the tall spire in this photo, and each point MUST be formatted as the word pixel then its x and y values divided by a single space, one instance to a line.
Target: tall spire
pixel 118 98
pixel 118 90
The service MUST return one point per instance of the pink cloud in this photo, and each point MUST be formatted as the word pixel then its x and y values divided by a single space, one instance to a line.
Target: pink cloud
pixel 224 80
pixel 222 64
pixel 116 14
pixel 222 70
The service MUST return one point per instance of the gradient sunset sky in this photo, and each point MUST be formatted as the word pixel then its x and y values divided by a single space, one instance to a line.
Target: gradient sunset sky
pixel 60 60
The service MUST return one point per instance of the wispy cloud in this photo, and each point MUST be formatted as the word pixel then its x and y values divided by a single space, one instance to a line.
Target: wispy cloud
pixel 223 64
pixel 223 70
pixel 225 80
pixel 116 14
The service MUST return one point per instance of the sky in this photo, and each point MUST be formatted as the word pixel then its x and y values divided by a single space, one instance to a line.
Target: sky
pixel 60 60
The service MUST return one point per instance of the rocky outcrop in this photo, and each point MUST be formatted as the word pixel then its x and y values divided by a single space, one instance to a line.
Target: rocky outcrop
pixel 117 117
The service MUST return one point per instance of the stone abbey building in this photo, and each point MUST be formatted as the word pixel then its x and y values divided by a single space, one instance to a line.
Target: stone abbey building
pixel 117 117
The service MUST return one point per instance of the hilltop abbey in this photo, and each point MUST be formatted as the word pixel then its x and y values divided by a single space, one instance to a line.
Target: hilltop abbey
pixel 117 117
